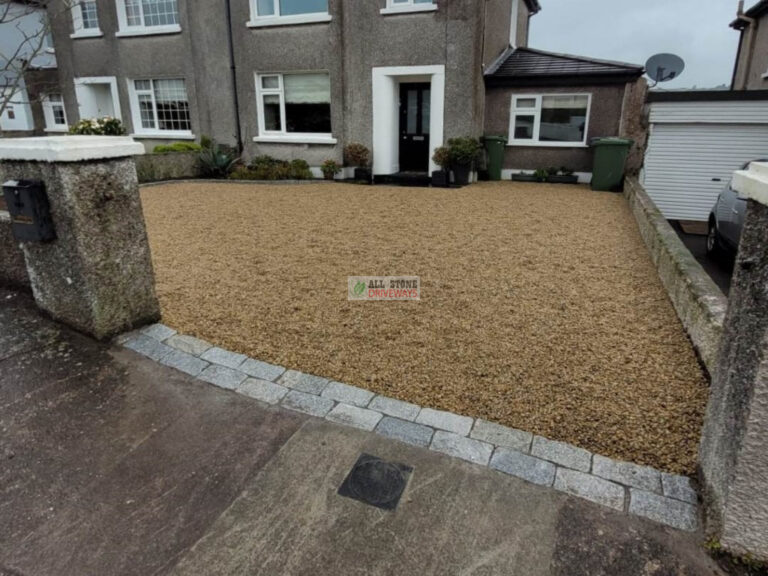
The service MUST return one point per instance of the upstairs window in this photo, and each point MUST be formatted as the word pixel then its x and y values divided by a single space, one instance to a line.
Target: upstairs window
pixel 54 113
pixel 148 17
pixel 277 12
pixel 160 107
pixel 549 120
pixel 400 6
pixel 85 19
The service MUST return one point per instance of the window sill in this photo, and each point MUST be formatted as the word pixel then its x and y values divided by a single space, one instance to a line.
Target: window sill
pixel 87 34
pixel 548 144
pixel 765 76
pixel 414 9
pixel 151 31
pixel 163 135
pixel 304 139
pixel 62 130
pixel 267 21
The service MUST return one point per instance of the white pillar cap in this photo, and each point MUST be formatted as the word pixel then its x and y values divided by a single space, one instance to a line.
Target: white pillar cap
pixel 68 148
pixel 752 183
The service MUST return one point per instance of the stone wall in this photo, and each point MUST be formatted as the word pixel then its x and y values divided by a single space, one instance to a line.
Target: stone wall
pixel 698 301
pixel 13 268
pixel 634 123
pixel 169 166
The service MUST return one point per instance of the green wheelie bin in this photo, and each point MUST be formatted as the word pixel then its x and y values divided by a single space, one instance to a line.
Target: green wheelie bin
pixel 608 166
pixel 495 145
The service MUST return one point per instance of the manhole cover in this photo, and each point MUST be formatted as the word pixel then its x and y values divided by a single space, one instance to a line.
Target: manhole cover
pixel 376 482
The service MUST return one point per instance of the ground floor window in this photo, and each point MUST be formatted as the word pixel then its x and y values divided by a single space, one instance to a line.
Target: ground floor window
pixel 160 106
pixel 549 120
pixel 294 104
pixel 53 110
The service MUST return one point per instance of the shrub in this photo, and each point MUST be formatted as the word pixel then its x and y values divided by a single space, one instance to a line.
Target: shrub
pixel 177 147
pixel 206 142
pixel 442 157
pixel 330 168
pixel 541 174
pixel 357 155
pixel 268 168
pixel 463 150
pixel 300 170
pixel 218 160
pixel 106 126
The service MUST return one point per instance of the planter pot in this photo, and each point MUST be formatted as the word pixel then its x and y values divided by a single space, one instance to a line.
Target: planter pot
pixel 524 178
pixel 461 174
pixel 441 179
pixel 363 175
pixel 329 176
pixel 562 179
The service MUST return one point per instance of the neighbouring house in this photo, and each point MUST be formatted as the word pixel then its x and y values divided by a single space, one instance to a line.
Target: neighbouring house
pixel 303 78
pixel 751 69
pixel 28 77
pixel 549 106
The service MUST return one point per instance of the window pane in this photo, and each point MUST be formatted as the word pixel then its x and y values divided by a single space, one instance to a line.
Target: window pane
pixel 288 7
pixel 270 82
pixel 143 85
pixel 412 111
pixel 272 121
pixel 563 118
pixel 526 103
pixel 146 112
pixel 265 7
pixel 55 98
pixel 524 127
pixel 307 103
pixel 160 12
pixel 426 106
pixel 89 14
pixel 422 1
pixel 58 115
pixel 172 105
pixel 133 12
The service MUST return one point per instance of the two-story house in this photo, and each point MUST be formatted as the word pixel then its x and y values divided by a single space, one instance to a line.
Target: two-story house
pixel 303 78
pixel 751 70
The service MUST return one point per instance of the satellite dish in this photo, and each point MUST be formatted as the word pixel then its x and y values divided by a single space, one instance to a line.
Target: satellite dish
pixel 664 67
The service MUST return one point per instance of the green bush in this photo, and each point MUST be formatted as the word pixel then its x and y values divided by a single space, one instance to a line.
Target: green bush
pixel 442 157
pixel 357 155
pixel 177 147
pixel 330 168
pixel 464 151
pixel 218 160
pixel 268 168
pixel 300 170
pixel 206 141
pixel 106 126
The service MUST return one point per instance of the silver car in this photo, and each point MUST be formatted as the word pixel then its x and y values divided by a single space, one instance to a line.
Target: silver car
pixel 727 219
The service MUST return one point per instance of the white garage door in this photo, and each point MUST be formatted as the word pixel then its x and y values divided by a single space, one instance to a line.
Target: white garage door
pixel 687 165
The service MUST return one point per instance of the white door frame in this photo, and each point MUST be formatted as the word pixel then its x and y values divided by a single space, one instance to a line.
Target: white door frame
pixel 386 113
pixel 112 81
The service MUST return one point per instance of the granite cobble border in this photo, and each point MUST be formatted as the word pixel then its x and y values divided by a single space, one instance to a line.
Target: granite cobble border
pixel 639 490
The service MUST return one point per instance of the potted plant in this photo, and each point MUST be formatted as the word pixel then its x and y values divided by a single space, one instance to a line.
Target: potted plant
pixel 359 156
pixel 330 168
pixel 442 178
pixel 524 177
pixel 562 175
pixel 463 152
pixel 541 175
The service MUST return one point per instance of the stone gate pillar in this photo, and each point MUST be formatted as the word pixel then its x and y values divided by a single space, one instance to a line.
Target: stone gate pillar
pixel 96 275
pixel 734 448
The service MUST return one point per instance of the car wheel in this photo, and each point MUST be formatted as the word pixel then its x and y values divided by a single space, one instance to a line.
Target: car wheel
pixel 713 240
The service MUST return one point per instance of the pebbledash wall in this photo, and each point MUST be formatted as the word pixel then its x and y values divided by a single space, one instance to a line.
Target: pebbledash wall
pixel 13 268
pixel 699 303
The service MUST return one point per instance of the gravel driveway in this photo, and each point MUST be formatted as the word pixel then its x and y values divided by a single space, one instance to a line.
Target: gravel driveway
pixel 540 307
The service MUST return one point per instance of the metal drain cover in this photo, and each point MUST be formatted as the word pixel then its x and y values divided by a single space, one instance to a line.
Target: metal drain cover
pixel 376 482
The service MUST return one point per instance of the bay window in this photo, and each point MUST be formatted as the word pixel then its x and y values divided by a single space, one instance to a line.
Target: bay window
pixel 549 120
pixel 294 107
pixel 141 17
pixel 160 108
pixel 277 12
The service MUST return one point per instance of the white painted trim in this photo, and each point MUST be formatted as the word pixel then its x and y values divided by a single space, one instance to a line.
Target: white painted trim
pixel 89 33
pixel 77 24
pixel 765 76
pixel 112 81
pixel 514 111
pixel 513 23
pixel 139 131
pixel 147 30
pixel 506 174
pixel 386 137
pixel 267 21
pixel 68 148
pixel 752 183
pixel 48 116
pixel 296 139
pixel 408 9
pixel 163 135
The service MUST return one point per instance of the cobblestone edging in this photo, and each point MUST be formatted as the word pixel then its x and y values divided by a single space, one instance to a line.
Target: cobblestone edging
pixel 623 486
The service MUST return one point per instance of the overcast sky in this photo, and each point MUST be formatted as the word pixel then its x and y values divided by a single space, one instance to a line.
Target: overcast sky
pixel 634 30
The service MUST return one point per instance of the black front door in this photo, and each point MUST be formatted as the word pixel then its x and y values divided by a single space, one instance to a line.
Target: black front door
pixel 414 127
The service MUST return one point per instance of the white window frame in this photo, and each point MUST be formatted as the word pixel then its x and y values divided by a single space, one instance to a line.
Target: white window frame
pixel 111 81
pixel 283 135
pixel 126 31
pixel 536 113
pixel 408 7
pixel 77 23
pixel 276 19
pixel 138 129
pixel 50 123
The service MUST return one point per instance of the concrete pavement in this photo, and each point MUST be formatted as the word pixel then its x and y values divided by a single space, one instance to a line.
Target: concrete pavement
pixel 111 464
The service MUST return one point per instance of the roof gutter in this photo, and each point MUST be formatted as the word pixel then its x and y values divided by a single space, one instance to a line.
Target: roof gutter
pixel 748 46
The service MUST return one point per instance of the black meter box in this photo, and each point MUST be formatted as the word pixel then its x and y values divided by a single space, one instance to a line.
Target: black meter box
pixel 27 203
